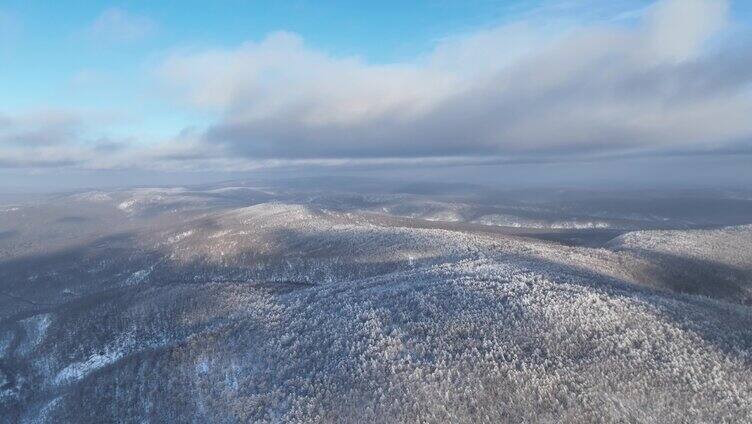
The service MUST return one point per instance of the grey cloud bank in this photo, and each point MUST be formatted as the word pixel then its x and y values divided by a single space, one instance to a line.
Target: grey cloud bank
pixel 674 82
pixel 668 83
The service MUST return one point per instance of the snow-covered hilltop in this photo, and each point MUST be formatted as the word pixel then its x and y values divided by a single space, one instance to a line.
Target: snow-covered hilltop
pixel 259 304
pixel 727 246
pixel 715 263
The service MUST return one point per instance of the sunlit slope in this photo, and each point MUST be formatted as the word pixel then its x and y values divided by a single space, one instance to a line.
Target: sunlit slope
pixel 286 312
pixel 715 263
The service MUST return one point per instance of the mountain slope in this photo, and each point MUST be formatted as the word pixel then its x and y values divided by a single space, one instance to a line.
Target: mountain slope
pixel 290 312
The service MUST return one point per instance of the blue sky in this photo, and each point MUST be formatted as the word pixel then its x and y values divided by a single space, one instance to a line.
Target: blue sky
pixel 49 54
pixel 236 85
pixel 49 45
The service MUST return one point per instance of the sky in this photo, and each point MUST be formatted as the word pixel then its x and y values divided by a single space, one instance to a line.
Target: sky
pixel 101 93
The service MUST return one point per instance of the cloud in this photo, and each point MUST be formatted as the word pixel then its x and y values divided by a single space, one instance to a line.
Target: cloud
pixel 57 138
pixel 118 25
pixel 679 27
pixel 41 128
pixel 662 84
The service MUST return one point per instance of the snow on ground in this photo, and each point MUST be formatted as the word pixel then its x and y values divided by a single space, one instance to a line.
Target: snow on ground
pixel 140 200
pixel 93 196
pixel 128 205
pixel 122 346
pixel 35 328
pixel 6 338
pixel 323 246
pixel 716 263
pixel 239 190
pixel 78 370
pixel 402 206
pixel 138 277
pixel 177 237
pixel 469 341
pixel 447 216
pixel 729 245
pixel 44 414
pixel 315 245
pixel 506 220
pixel 287 312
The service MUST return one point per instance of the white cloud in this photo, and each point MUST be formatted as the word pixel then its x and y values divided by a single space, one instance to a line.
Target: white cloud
pixel 678 28
pixel 528 90
pixel 262 79
pixel 40 128
pixel 58 138
pixel 510 90
pixel 119 25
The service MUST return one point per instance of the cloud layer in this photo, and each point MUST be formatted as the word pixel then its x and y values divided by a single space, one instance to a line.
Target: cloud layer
pixel 118 25
pixel 668 82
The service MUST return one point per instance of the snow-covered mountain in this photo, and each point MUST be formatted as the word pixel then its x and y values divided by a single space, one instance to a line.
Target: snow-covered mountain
pixel 245 303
